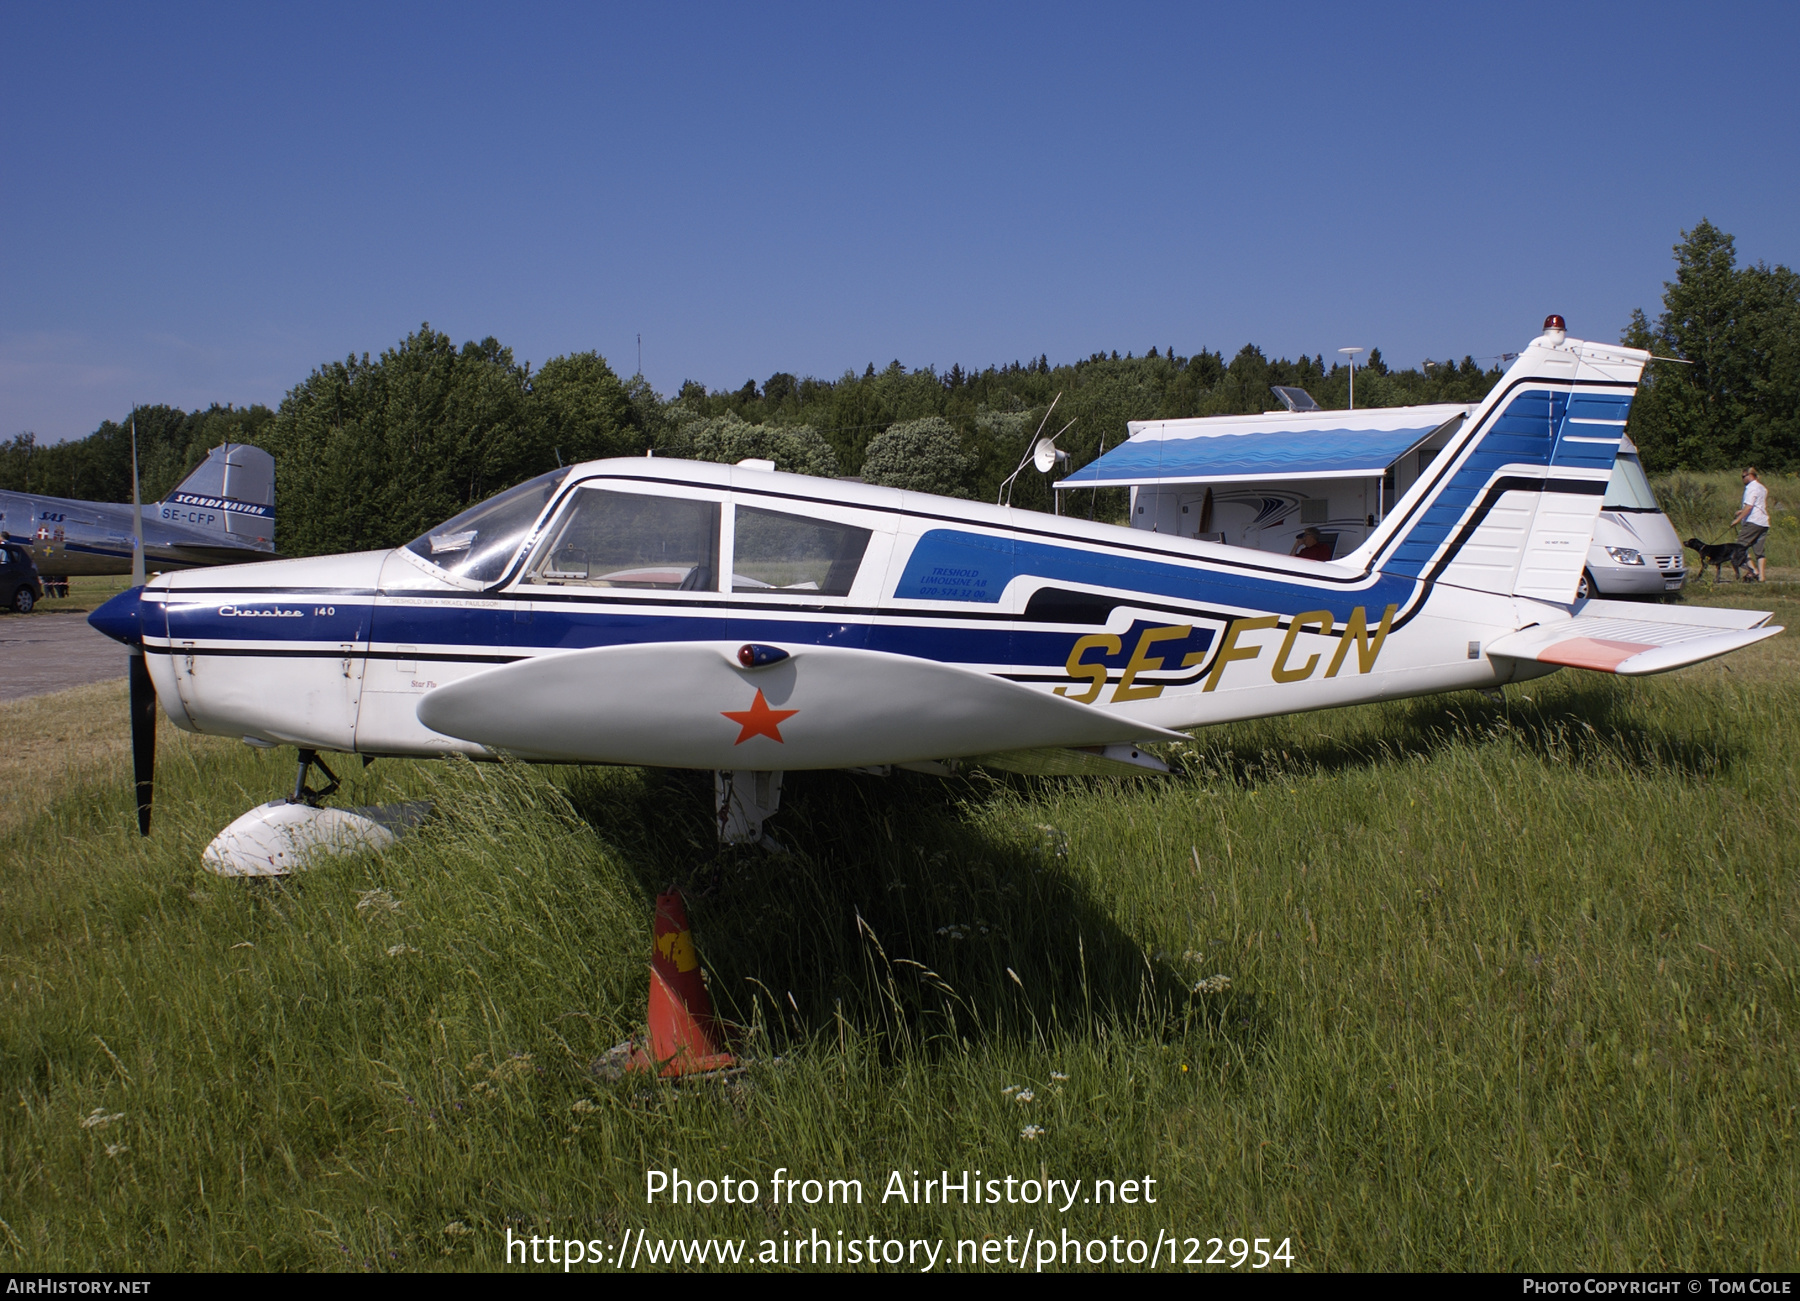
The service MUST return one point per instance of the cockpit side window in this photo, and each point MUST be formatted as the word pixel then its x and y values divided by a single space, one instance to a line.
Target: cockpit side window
pixel 631 540
pixel 773 552
pixel 477 545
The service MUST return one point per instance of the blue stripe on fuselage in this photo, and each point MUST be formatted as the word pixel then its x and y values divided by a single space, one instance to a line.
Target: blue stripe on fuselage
pixel 503 631
pixel 951 565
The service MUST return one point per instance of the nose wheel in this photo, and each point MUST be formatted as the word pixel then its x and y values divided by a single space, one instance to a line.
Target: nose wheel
pixel 304 794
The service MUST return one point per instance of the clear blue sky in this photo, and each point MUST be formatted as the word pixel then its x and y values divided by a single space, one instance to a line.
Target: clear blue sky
pixel 202 204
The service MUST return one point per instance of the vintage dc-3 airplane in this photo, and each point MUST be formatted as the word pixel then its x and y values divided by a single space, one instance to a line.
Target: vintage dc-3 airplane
pixel 694 615
pixel 222 514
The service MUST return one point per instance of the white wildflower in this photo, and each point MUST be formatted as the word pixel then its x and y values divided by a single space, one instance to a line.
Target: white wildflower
pixel 1031 1133
pixel 1024 1095
pixel 377 899
pixel 395 950
pixel 1213 985
pixel 1011 1088
pixel 116 1149
pixel 1058 1077
pixel 100 1118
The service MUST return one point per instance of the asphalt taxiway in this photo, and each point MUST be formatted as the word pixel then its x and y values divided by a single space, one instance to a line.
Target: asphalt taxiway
pixel 45 652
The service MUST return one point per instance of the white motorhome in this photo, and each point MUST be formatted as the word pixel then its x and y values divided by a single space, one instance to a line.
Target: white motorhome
pixel 1256 481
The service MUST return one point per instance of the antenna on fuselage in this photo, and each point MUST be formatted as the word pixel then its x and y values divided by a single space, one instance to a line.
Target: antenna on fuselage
pixel 1043 451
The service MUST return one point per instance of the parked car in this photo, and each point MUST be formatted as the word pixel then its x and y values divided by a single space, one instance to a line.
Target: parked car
pixel 1636 550
pixel 20 586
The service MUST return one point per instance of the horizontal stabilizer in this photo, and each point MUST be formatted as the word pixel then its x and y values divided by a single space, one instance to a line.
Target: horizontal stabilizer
pixel 1621 637
pixel 695 705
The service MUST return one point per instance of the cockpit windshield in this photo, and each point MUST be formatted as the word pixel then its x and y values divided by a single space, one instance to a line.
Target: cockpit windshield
pixel 476 545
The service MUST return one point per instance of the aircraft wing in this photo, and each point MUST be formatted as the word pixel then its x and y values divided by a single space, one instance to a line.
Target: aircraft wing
pixel 1632 639
pixel 694 705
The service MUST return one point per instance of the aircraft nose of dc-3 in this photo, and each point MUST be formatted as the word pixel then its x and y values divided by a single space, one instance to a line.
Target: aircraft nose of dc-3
pixel 118 618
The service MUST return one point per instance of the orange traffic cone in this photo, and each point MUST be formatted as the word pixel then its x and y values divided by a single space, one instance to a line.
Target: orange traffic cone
pixel 684 1037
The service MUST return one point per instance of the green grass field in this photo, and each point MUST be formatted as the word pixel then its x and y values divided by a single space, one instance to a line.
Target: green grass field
pixel 1436 984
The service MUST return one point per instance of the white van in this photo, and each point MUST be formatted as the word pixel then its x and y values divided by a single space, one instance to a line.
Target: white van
pixel 1635 551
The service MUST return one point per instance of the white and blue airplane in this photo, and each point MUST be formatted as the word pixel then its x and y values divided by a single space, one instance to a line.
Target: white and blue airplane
pixel 693 615
pixel 221 514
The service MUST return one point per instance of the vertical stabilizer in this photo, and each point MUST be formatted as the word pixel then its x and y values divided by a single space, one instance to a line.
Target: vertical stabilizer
pixel 232 492
pixel 1510 505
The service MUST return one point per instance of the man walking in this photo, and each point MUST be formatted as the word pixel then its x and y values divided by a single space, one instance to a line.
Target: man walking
pixel 1753 515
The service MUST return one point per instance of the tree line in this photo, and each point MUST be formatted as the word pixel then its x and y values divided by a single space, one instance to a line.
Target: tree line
pixel 1736 401
pixel 370 452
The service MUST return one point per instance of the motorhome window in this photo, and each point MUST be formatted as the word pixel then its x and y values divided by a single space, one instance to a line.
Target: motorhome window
pixel 476 545
pixel 1628 489
pixel 773 552
pixel 631 540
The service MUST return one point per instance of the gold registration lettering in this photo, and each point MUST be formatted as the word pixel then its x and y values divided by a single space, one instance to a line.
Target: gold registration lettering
pixel 1367 648
pixel 1229 650
pixel 1141 662
pixel 1320 619
pixel 1095 673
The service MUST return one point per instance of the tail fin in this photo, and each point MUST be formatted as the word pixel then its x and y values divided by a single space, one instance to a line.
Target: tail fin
pixel 232 492
pixel 1509 505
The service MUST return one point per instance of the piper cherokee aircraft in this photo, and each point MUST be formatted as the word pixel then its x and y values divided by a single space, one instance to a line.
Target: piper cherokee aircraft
pixel 223 513
pixel 732 618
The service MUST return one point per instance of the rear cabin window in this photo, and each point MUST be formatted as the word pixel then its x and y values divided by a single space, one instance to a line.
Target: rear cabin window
pixel 774 552
pixel 632 540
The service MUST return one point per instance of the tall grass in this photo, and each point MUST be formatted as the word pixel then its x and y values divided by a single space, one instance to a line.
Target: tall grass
pixel 1439 984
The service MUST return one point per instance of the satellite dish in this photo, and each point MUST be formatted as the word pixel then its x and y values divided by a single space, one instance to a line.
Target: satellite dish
pixel 1045 456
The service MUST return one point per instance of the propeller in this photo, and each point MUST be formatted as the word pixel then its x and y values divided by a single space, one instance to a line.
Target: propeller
pixel 143 691
pixel 143 737
pixel 119 618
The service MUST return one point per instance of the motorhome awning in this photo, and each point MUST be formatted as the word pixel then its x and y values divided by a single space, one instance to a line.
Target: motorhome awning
pixel 1274 445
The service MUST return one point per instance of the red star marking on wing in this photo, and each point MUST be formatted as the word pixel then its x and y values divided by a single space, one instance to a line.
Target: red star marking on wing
pixel 759 719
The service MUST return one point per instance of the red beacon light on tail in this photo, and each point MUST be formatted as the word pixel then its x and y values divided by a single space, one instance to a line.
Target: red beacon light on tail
pixel 1554 328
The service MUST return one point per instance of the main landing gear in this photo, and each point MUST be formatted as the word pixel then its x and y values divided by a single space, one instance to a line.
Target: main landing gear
pixel 741 802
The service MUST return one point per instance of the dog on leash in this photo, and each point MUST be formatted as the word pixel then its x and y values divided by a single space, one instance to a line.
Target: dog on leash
pixel 1735 554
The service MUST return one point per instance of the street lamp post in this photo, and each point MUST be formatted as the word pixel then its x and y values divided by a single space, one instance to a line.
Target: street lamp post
pixel 1351 354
